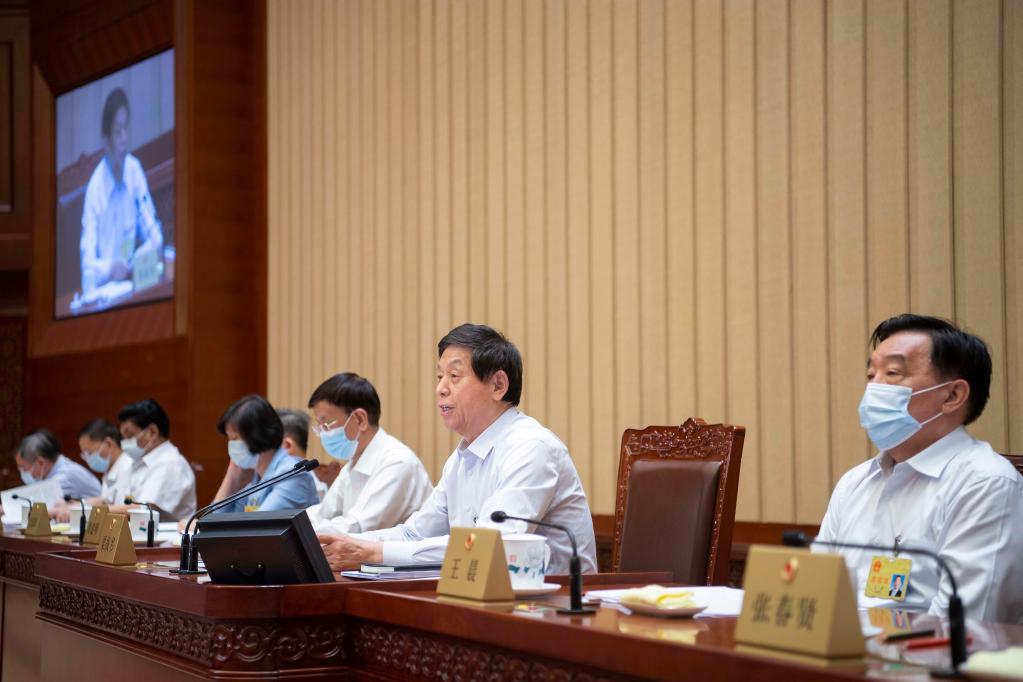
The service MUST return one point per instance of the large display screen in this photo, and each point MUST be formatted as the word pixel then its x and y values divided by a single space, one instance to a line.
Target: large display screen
pixel 115 190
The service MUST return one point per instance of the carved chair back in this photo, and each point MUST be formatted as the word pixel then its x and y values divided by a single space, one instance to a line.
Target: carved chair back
pixel 675 501
pixel 1016 461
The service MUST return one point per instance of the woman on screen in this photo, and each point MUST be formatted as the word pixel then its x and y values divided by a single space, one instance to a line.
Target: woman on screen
pixel 118 219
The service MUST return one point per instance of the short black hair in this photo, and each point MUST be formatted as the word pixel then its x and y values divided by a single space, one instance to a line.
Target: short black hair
pixel 256 421
pixel 39 443
pixel 955 354
pixel 350 392
pixel 116 99
pixel 296 426
pixel 146 412
pixel 99 430
pixel 491 351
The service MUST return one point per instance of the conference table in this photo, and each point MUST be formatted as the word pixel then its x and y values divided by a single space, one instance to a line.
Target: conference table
pixel 93 621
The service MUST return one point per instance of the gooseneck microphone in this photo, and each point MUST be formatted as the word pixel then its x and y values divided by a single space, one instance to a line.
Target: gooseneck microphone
pixel 574 571
pixel 956 619
pixel 81 521
pixel 151 528
pixel 188 562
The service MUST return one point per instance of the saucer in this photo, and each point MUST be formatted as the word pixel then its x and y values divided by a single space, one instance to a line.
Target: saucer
pixel 679 612
pixel 546 588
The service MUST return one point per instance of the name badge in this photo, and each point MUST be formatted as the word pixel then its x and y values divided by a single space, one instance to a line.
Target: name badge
pixel 38 521
pixel 115 544
pixel 888 577
pixel 94 528
pixel 475 567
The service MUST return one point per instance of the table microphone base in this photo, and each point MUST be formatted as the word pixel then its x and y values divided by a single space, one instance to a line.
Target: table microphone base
pixel 577 612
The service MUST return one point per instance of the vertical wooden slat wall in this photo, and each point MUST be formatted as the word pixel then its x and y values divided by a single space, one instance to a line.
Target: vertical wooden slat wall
pixel 673 207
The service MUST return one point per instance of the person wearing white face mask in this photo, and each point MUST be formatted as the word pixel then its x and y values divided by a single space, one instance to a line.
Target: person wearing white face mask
pixel 932 485
pixel 38 458
pixel 160 475
pixel 255 437
pixel 381 481
pixel 100 443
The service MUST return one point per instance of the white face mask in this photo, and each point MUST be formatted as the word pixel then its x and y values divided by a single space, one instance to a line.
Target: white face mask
pixel 240 454
pixel 130 447
pixel 884 414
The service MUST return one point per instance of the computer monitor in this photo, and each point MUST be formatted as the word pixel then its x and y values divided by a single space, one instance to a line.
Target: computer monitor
pixel 261 548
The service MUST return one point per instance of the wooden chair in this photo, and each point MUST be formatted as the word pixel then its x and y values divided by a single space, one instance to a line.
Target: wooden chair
pixel 675 501
pixel 1016 461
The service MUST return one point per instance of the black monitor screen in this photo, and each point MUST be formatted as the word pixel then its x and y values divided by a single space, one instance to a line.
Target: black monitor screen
pixel 261 548
pixel 115 190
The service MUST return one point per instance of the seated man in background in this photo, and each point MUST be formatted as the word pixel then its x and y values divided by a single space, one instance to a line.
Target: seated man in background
pixel 382 481
pixel 39 459
pixel 159 474
pixel 296 442
pixel 933 485
pixel 100 443
pixel 506 462
pixel 254 446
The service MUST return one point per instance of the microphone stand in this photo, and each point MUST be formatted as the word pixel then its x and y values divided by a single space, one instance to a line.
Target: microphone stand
pixel 151 528
pixel 188 563
pixel 81 521
pixel 574 569
pixel 956 616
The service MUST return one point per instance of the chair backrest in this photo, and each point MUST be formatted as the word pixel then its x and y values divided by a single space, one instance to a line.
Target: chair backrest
pixel 1016 461
pixel 675 501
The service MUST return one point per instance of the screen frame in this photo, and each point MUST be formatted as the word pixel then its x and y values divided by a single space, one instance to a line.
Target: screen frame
pixel 124 42
pixel 143 299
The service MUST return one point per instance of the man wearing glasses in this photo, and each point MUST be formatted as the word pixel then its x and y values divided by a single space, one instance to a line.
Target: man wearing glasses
pixel 382 481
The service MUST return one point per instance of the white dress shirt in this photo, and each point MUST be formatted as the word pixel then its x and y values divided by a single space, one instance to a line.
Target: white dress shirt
pixel 516 466
pixel 381 489
pixel 958 498
pixel 164 478
pixel 74 479
pixel 117 481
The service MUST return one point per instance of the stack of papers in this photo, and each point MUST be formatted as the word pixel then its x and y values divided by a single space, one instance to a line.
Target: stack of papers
pixel 391 575
pixel 720 601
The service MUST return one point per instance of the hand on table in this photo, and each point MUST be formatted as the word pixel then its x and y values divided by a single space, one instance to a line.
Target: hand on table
pixel 344 552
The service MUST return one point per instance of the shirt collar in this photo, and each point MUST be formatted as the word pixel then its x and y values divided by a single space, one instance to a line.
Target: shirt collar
pixel 370 457
pixel 932 460
pixel 278 464
pixel 485 442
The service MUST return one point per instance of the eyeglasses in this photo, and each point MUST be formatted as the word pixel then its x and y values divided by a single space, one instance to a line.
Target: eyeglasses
pixel 326 426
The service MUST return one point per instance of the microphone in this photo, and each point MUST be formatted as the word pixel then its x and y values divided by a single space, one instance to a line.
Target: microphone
pixel 22 497
pixel 188 563
pixel 151 528
pixel 574 572
pixel 81 521
pixel 956 619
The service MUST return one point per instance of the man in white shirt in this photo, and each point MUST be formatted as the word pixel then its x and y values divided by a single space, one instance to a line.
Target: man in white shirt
pixel 505 461
pixel 159 474
pixel 100 443
pixel 932 485
pixel 39 459
pixel 382 481
pixel 118 216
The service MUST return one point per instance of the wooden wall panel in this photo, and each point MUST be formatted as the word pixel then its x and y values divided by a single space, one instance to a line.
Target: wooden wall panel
pixel 674 208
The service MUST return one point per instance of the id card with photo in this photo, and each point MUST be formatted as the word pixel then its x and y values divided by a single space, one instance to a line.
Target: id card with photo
pixel 888 577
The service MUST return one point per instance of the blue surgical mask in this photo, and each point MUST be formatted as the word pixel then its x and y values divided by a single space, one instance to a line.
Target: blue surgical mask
pixel 337 443
pixel 240 454
pixel 884 414
pixel 27 478
pixel 130 447
pixel 96 462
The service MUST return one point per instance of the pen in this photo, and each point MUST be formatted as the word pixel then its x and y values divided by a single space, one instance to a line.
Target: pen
pixel 910 634
pixel 931 642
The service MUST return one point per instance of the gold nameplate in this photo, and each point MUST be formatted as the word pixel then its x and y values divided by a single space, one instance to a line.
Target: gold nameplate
pixel 38 521
pixel 115 545
pixel 93 529
pixel 801 602
pixel 475 566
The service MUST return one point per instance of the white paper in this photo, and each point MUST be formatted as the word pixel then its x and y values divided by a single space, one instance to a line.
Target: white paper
pixel 45 491
pixel 720 601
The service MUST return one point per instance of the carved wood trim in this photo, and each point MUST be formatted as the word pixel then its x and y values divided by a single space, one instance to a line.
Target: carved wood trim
pixel 258 645
pixel 17 566
pixel 694 439
pixel 417 655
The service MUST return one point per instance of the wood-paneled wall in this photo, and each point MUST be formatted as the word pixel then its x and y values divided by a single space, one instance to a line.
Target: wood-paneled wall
pixel 674 208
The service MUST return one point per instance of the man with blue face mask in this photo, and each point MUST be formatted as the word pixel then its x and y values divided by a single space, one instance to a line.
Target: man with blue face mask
pixel 100 443
pixel 381 481
pixel 160 475
pixel 255 438
pixel 39 459
pixel 932 485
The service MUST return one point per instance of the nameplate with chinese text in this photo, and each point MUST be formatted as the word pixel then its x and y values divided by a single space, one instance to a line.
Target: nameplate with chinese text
pixel 115 544
pixel 799 601
pixel 38 521
pixel 94 528
pixel 475 566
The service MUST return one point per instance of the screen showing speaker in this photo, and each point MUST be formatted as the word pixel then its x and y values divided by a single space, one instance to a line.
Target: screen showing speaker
pixel 115 190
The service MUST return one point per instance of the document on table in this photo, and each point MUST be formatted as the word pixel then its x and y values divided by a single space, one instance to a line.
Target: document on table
pixel 720 601
pixel 44 491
